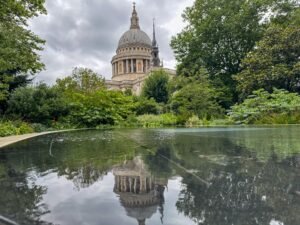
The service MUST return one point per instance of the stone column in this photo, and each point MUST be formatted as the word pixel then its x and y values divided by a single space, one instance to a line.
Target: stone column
pixel 135 184
pixel 141 184
pixel 125 182
pixel 127 69
pixel 130 184
pixel 132 66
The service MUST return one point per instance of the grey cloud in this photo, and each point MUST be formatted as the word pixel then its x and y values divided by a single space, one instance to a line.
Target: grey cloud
pixel 86 32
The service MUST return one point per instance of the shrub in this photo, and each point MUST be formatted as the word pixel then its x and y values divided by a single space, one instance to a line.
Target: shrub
pixel 279 107
pixel 14 128
pixel 193 121
pixel 146 106
pixel 38 127
pixel 198 99
pixel 157 120
pixel 40 104
pixel 101 107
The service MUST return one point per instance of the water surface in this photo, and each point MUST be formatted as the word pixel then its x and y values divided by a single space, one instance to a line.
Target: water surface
pixel 228 176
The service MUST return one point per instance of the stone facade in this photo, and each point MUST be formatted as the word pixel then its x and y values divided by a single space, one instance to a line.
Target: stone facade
pixel 136 56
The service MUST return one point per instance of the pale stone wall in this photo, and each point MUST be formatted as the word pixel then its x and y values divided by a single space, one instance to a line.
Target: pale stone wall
pixel 134 82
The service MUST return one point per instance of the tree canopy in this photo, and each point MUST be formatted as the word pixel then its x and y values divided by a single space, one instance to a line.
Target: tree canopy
pixel 197 97
pixel 40 104
pixel 220 33
pixel 81 79
pixel 156 86
pixel 19 46
pixel 274 63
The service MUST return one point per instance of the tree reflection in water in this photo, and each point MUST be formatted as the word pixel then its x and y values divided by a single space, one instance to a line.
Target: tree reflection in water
pixel 252 181
pixel 243 192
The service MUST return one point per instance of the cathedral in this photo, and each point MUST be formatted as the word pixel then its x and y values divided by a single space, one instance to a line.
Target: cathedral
pixel 136 57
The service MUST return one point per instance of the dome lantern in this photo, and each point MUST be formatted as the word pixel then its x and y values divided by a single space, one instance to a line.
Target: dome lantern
pixel 134 19
pixel 135 36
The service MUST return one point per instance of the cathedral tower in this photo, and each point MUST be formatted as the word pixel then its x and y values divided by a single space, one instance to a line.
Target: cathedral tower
pixel 155 61
pixel 133 56
pixel 136 56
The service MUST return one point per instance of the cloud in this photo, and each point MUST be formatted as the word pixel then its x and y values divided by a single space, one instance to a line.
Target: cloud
pixel 86 32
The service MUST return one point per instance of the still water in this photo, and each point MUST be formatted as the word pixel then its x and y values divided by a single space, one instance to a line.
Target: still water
pixel 213 176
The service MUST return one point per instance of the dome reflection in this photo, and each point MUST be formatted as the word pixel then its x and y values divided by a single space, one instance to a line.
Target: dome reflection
pixel 140 193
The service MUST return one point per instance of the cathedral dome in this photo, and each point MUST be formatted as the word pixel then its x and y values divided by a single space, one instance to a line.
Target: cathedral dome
pixel 134 37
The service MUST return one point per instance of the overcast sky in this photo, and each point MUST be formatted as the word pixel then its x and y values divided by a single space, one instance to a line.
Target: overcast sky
pixel 86 32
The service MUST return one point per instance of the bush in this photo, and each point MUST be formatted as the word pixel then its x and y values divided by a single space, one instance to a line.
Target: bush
pixel 38 127
pixel 152 121
pixel 101 107
pixel 147 106
pixel 198 99
pixel 193 122
pixel 40 104
pixel 279 107
pixel 14 128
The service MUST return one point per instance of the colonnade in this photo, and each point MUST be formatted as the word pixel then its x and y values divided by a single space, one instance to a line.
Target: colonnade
pixel 128 66
pixel 134 184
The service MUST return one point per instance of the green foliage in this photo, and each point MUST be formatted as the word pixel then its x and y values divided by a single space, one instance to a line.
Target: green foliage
pixel 218 35
pixel 156 86
pixel 161 120
pixel 18 46
pixel 194 121
pixel 40 104
pixel 19 12
pixel 274 63
pixel 98 108
pixel 146 106
pixel 81 80
pixel 91 104
pixel 197 97
pixel 279 107
pixel 14 128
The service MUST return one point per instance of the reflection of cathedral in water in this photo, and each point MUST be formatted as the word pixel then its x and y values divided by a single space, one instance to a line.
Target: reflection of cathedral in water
pixel 140 193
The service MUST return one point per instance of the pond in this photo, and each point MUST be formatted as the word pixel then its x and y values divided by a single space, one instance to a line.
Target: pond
pixel 228 176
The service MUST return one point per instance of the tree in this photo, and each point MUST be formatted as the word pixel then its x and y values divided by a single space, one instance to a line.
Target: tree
pixel 156 86
pixel 83 80
pixel 274 63
pixel 40 104
pixel 196 98
pixel 220 33
pixel 18 46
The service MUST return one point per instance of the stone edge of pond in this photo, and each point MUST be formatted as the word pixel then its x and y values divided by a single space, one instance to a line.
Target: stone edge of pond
pixel 5 141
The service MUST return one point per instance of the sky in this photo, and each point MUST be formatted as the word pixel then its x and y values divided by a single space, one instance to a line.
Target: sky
pixel 85 33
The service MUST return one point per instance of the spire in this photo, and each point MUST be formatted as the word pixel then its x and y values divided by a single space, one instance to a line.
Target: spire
pixel 134 19
pixel 155 51
pixel 154 43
